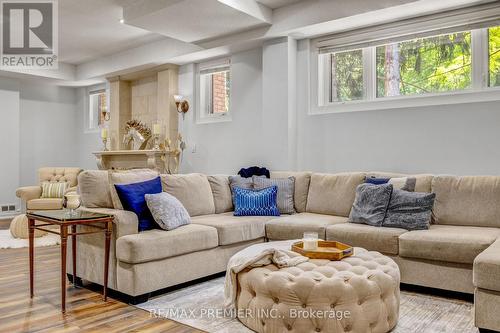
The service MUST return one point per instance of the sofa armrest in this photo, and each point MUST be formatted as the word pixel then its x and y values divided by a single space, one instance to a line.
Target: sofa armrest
pixel 72 190
pixel 126 223
pixel 486 270
pixel 28 193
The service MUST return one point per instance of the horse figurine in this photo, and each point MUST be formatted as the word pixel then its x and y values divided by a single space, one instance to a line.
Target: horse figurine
pixel 137 133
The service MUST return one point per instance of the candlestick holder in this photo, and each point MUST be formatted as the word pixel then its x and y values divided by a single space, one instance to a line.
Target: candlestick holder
pixel 104 144
pixel 156 141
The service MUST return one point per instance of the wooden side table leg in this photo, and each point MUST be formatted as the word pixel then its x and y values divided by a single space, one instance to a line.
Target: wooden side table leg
pixel 109 229
pixel 64 239
pixel 31 230
pixel 73 252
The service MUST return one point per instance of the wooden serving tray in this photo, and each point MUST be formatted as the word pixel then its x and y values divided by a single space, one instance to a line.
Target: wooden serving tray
pixel 330 250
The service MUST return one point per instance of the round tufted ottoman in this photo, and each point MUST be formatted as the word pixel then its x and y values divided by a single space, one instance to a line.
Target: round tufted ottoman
pixel 19 228
pixel 357 294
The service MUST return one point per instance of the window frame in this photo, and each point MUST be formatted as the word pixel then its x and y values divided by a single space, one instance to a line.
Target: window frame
pixel 479 91
pixel 89 114
pixel 203 94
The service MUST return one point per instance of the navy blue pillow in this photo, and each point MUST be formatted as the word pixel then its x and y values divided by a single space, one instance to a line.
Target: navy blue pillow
pixel 249 202
pixel 132 199
pixel 376 181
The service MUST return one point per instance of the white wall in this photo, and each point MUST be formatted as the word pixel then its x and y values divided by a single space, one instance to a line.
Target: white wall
pixel 227 146
pixel 271 126
pixel 9 145
pixel 457 139
pixel 46 128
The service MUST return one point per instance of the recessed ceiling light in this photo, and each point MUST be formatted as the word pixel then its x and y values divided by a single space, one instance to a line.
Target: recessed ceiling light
pixel 122 20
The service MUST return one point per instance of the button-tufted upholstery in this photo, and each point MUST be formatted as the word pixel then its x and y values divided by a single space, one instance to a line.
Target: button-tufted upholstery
pixel 51 174
pixel 362 290
pixel 30 195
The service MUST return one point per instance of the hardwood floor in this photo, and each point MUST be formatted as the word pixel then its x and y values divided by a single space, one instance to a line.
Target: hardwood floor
pixel 85 310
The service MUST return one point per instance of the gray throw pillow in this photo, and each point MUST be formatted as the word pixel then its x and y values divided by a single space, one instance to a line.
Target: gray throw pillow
pixel 370 204
pixel 409 210
pixel 167 210
pixel 238 181
pixel 286 190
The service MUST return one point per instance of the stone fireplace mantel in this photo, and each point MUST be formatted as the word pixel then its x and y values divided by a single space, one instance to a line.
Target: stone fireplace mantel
pixel 161 160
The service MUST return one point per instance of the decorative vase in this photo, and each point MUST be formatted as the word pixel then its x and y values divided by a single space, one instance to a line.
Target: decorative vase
pixel 71 202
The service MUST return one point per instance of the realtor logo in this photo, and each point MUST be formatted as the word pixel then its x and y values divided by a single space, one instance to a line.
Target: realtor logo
pixel 29 34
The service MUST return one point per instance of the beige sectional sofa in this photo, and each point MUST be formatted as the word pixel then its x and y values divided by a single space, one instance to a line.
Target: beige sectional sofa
pixel 460 251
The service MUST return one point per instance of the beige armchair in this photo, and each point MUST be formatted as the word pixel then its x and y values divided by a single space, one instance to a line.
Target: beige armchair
pixel 31 195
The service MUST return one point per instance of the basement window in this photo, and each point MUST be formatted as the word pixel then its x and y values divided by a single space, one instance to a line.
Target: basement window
pixel 407 64
pixel 214 91
pixel 97 109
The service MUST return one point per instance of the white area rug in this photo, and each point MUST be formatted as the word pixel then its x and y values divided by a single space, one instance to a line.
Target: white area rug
pixel 9 242
pixel 418 312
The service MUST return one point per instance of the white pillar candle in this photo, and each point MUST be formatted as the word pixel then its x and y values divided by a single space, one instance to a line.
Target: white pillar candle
pixel 310 244
pixel 156 129
pixel 104 133
pixel 310 241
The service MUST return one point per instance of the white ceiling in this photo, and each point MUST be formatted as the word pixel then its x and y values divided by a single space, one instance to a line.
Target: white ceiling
pixel 273 4
pixel 89 29
pixel 189 20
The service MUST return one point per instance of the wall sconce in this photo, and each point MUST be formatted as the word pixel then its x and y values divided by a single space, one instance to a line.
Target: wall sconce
pixel 182 105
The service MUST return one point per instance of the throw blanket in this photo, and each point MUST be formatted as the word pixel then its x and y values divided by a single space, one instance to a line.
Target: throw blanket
pixel 257 255
pixel 254 171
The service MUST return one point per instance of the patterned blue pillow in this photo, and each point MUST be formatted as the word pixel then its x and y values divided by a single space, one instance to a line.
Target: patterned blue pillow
pixel 248 202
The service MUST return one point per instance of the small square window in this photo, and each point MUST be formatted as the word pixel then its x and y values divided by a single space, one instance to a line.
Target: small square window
pixel 97 109
pixel 214 90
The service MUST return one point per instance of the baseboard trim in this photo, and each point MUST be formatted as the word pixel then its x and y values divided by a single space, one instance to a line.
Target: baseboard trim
pixel 437 292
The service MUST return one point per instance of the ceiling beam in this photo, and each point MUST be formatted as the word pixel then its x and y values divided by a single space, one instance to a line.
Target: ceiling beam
pixel 252 8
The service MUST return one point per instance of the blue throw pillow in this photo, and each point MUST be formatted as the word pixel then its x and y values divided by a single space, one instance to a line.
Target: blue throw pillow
pixel 248 202
pixel 376 181
pixel 132 197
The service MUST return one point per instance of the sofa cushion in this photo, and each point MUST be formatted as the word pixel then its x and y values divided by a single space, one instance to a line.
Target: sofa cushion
pixel 487 268
pixel 250 202
pixel 44 204
pixel 409 210
pixel 370 204
pixel 460 244
pixel 333 194
pixel 54 190
pixel 132 197
pixel 302 181
pixel 381 239
pixel 286 190
pixel 472 200
pixel 193 191
pixel 423 181
pixel 93 186
pixel 234 229
pixel 159 244
pixel 294 226
pixel 127 177
pixel 167 210
pixel 221 192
